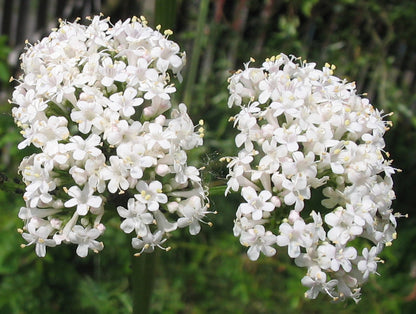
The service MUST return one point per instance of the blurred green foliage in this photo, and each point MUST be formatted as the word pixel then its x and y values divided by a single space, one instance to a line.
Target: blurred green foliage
pixel 4 69
pixel 370 41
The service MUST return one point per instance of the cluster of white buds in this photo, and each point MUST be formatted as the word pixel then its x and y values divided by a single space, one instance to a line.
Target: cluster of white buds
pixel 313 173
pixel 95 102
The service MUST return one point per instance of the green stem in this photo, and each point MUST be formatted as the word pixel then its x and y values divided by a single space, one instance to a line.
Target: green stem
pixel 196 51
pixel 217 190
pixel 165 14
pixel 142 281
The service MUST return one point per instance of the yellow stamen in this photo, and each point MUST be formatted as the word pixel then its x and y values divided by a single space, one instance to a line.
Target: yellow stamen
pixel 168 32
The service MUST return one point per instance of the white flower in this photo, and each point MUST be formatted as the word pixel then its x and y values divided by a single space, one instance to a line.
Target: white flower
pixel 151 194
pixel 368 264
pixel 90 172
pixel 345 225
pixel 190 173
pixel 26 213
pixel 256 204
pixel 157 90
pixel 54 129
pixel 325 256
pixel 141 72
pixel 193 212
pixel 300 164
pixel 148 242
pixel 343 258
pixel 294 237
pixel 56 155
pixel 120 131
pixel 166 54
pixel 87 114
pixel 38 233
pixel 38 190
pixel 163 224
pixel 316 282
pixel 249 130
pixel 183 129
pixel 297 190
pixel 158 137
pixel 136 217
pixel 112 71
pixel 258 241
pixel 134 157
pixel 125 102
pixel 117 174
pixel 85 238
pixel 83 199
pixel 289 137
pixel 82 149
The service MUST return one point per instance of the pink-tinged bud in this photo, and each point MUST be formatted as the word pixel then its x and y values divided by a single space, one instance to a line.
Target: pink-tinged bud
pixel 173 206
pixel 162 170
pixel 160 119
pixel 276 201
pixel 293 216
pixel 100 227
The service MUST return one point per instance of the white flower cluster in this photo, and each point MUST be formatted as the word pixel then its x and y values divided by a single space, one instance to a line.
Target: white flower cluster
pixel 96 103
pixel 313 173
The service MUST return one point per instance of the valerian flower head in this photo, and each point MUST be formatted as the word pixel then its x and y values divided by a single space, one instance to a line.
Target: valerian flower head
pixel 95 101
pixel 313 172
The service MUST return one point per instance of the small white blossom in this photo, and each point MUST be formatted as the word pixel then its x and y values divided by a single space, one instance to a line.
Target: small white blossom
pixel 116 173
pixel 258 241
pixel 256 204
pixel 315 280
pixel 294 237
pixel 151 194
pixel 87 113
pixel 125 102
pixel 193 212
pixel 368 264
pixel 82 149
pixel 38 234
pixel 85 238
pixel 112 71
pixel 136 217
pixel 83 199
pixel 149 242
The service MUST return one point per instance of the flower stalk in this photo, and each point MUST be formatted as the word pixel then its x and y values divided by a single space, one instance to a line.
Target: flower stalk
pixel 142 281
pixel 196 51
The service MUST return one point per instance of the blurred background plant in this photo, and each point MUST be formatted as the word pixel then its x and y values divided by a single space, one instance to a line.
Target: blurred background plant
pixel 370 41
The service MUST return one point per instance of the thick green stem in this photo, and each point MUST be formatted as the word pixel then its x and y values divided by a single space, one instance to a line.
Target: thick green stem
pixel 196 51
pixel 165 13
pixel 142 281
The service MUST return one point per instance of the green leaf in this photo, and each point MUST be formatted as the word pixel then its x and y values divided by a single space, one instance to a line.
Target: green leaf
pixel 4 73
